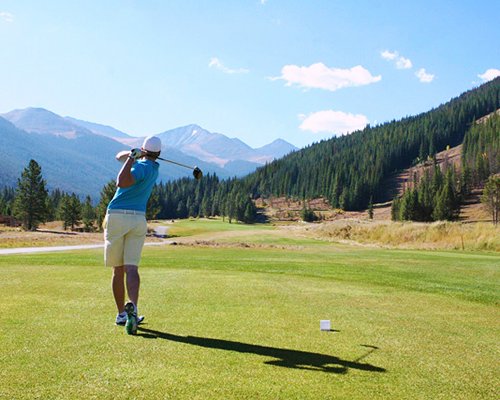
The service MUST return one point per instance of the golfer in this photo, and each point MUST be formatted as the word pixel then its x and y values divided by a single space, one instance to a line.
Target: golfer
pixel 125 228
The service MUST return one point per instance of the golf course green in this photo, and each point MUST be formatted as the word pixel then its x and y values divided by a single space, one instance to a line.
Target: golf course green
pixel 240 319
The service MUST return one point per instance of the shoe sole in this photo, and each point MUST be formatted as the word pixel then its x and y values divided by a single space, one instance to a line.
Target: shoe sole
pixel 131 324
pixel 140 320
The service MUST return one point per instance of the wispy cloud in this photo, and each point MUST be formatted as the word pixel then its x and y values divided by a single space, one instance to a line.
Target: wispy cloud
pixel 263 2
pixel 489 74
pixel 389 55
pixel 400 61
pixel 403 63
pixel 423 76
pixel 217 64
pixel 330 121
pixel 319 76
pixel 6 16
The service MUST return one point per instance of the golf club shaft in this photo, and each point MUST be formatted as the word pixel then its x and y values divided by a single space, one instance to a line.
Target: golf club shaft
pixel 176 163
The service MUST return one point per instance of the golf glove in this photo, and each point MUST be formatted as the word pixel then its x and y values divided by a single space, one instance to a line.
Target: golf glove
pixel 135 154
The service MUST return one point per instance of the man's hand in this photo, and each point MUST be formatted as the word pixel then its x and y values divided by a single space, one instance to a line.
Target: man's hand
pixel 136 154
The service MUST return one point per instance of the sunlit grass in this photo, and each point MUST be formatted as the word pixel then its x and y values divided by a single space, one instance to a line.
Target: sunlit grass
pixel 196 226
pixel 243 323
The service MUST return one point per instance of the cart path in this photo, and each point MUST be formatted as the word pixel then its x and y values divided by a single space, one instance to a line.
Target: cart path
pixel 208 236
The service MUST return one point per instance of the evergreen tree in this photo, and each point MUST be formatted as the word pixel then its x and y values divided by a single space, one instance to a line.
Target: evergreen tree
pixel 6 200
pixel 250 214
pixel 395 209
pixel 446 202
pixel 491 197
pixel 181 210
pixel 30 203
pixel 88 215
pixel 70 211
pixel 370 208
pixel 153 208
pixel 107 193
pixel 307 214
pixel 425 198
pixel 408 206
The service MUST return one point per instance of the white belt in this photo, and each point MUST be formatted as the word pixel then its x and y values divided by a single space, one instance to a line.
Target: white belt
pixel 133 212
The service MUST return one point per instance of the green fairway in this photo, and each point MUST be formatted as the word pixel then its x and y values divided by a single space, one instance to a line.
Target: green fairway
pixel 242 322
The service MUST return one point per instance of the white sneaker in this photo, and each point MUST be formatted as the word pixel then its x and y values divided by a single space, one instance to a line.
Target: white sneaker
pixel 121 319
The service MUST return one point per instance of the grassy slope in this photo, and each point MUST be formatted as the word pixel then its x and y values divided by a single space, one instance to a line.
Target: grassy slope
pixel 237 322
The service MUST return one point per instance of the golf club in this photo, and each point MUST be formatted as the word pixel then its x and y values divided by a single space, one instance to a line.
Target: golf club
pixel 197 173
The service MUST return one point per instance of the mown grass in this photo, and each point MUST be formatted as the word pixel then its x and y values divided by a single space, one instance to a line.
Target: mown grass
pixel 243 323
pixel 196 226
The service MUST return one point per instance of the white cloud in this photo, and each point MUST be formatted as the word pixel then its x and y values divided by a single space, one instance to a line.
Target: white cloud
pixel 388 55
pixel 336 122
pixel 263 2
pixel 423 76
pixel 400 61
pixel 6 16
pixel 403 63
pixel 319 76
pixel 216 63
pixel 489 74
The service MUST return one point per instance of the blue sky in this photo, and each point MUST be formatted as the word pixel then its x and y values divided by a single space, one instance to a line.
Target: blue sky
pixel 253 69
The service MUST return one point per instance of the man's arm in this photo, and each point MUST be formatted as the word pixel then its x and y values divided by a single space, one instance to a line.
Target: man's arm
pixel 125 177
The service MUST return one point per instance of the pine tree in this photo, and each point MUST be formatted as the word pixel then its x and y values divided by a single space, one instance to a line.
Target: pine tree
pixel 370 208
pixel 107 193
pixel 153 208
pixel 408 206
pixel 491 197
pixel 395 209
pixel 446 204
pixel 70 211
pixel 30 203
pixel 88 215
pixel 250 212
pixel 307 214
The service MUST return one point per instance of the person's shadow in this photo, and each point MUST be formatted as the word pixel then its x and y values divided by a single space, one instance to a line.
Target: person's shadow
pixel 281 357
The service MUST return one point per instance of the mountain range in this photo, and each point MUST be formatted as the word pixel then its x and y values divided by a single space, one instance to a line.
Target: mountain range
pixel 78 156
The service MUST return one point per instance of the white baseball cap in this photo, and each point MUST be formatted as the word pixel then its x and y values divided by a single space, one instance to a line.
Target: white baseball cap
pixel 152 143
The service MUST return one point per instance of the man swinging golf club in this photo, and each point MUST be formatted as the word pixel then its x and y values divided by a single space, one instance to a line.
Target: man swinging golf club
pixel 125 228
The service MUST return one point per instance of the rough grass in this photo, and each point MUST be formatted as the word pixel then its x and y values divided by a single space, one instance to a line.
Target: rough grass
pixel 437 235
pixel 243 323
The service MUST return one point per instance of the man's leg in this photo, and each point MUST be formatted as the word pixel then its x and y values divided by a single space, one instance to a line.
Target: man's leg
pixel 133 283
pixel 118 285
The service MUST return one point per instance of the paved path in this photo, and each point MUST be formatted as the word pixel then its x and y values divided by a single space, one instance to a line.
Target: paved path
pixel 25 250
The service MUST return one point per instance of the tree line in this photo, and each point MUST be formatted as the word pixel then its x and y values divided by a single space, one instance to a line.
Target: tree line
pixel 31 203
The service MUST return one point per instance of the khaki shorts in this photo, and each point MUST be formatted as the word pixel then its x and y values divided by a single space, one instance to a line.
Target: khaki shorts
pixel 124 236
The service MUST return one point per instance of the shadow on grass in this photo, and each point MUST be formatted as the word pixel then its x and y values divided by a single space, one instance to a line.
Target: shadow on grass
pixel 282 357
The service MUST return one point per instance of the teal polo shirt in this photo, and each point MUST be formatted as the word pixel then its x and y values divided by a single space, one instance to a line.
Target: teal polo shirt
pixel 135 197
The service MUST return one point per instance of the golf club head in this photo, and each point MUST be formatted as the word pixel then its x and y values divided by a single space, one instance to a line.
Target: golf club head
pixel 197 173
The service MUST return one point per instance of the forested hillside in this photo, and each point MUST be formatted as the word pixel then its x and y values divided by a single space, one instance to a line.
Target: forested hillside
pixel 481 150
pixel 348 170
